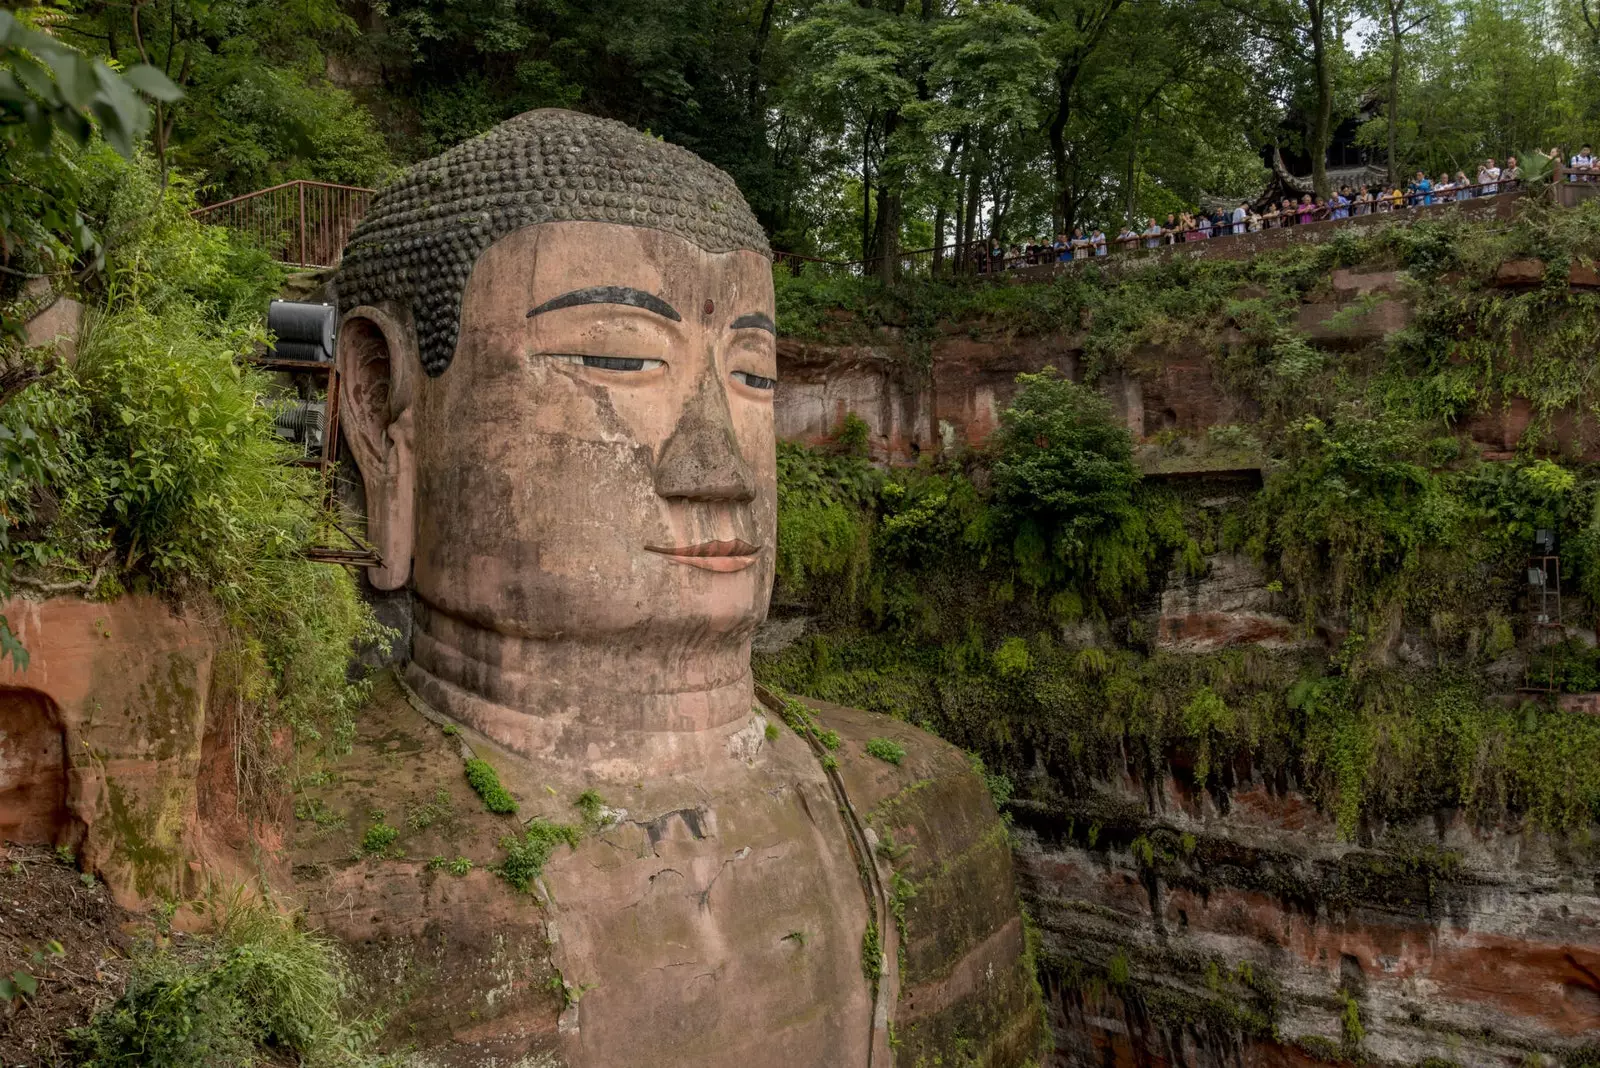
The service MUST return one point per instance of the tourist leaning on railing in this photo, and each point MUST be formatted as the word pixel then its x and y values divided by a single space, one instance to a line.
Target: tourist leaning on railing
pixel 1582 165
pixel 1488 178
pixel 1345 203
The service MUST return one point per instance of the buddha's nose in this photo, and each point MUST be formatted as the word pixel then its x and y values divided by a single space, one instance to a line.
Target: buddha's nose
pixel 701 460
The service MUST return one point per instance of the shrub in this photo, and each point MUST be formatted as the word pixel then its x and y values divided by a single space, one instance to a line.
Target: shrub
pixel 486 783
pixel 885 750
pixel 379 837
pixel 526 855
pixel 593 807
pixel 153 463
pixel 259 984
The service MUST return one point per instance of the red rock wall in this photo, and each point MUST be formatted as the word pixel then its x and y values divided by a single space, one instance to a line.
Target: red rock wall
pixel 1189 934
pixel 955 400
pixel 33 769
pixel 102 738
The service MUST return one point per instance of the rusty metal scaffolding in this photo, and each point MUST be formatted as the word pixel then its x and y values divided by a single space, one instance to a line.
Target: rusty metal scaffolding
pixel 304 224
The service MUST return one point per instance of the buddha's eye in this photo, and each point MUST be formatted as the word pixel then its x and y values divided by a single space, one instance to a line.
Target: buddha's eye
pixel 755 381
pixel 612 363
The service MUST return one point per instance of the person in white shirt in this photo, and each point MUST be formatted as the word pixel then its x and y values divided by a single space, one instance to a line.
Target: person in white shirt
pixel 1152 234
pixel 1583 165
pixel 1488 179
pixel 1098 241
pixel 1239 215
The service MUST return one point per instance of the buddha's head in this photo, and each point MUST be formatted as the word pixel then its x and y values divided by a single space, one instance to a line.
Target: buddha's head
pixel 557 360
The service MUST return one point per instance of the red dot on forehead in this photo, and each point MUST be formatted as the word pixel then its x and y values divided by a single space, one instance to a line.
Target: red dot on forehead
pixel 710 307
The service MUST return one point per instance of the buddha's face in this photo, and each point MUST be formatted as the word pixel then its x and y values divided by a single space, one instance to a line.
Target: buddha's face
pixel 597 462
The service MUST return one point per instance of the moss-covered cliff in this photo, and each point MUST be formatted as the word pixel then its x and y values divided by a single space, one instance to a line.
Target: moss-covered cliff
pixel 1270 738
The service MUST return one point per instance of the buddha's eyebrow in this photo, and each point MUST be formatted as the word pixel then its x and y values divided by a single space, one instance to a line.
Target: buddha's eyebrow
pixel 758 320
pixel 634 298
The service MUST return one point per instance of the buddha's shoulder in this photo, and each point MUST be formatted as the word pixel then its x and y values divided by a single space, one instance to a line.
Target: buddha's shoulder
pixel 930 817
pixel 918 794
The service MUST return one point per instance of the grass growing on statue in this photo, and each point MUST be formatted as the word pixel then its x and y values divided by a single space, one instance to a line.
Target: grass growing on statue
pixel 485 782
pixel 996 600
pixel 527 853
pixel 152 464
pixel 257 989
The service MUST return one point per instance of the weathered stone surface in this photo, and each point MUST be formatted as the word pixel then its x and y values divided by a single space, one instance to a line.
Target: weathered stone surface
pixel 1475 946
pixel 57 325
pixel 714 919
pixel 101 738
pixel 577 476
pixel 1228 605
pixel 967 983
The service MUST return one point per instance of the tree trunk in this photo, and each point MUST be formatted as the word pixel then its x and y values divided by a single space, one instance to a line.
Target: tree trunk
pixel 1320 133
pixel 891 183
pixel 960 242
pixel 1133 169
pixel 1394 89
pixel 866 192
pixel 941 213
pixel 758 50
pixel 888 230
pixel 1058 140
pixel 974 187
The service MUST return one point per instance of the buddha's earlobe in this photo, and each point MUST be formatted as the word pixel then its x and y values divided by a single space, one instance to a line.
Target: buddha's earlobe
pixel 378 368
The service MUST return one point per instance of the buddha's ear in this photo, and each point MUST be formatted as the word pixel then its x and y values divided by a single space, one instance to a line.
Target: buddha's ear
pixel 378 371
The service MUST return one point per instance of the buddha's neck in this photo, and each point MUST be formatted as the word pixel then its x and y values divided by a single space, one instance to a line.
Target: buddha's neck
pixel 635 708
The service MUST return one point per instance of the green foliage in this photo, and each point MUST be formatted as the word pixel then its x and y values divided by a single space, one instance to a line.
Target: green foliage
pixel 52 97
pixel 257 106
pixel 526 855
pixel 593 807
pixel 420 816
pixel 22 984
pixel 872 955
pixel 458 867
pixel 250 124
pixel 1391 744
pixel 378 838
pixel 822 531
pixel 885 750
pixel 485 782
pixel 1351 1031
pixel 152 463
pixel 259 987
pixel 1062 463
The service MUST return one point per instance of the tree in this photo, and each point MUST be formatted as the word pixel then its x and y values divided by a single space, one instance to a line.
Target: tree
pixel 49 90
pixel 258 108
pixel 1398 19
pixel 1077 30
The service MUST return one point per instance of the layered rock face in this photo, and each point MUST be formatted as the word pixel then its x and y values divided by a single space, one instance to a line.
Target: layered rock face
pixel 1235 925
pixel 103 736
pixel 1202 929
pixel 1163 394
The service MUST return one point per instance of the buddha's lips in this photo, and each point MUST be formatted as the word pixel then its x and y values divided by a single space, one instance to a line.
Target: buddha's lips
pixel 735 555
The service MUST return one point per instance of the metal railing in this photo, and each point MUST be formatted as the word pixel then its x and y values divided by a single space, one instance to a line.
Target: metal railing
pixel 305 223
pixel 980 257
pixel 302 223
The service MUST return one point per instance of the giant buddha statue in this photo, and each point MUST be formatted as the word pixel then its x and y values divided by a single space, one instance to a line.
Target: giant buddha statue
pixel 558 363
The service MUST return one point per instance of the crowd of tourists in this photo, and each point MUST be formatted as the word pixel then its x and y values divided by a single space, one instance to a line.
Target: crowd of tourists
pixel 1490 179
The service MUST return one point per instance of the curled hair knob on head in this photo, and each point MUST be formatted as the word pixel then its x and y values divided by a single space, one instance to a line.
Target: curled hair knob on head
pixel 542 166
